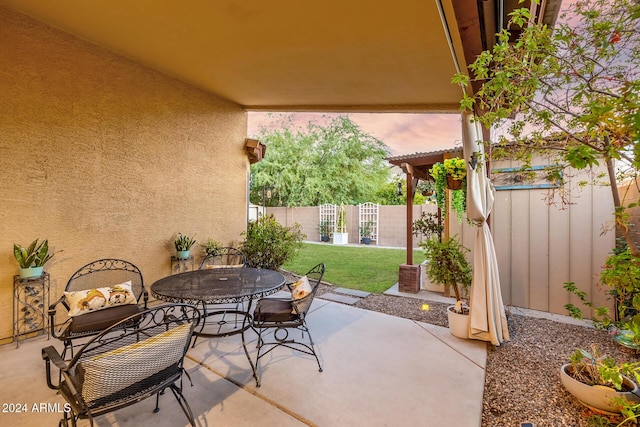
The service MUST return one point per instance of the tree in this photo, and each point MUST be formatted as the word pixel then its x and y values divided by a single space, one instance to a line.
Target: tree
pixel 572 90
pixel 336 163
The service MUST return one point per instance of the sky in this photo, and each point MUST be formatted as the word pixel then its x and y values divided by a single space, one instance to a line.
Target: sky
pixel 403 133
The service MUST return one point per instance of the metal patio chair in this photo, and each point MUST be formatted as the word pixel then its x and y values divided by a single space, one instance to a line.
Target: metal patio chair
pixel 284 314
pixel 226 257
pixel 130 361
pixel 104 273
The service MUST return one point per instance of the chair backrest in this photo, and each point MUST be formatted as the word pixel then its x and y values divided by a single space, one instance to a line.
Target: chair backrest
pixel 315 277
pixel 106 273
pixel 121 362
pixel 225 257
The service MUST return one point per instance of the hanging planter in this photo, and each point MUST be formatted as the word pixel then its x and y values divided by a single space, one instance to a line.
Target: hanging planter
pixel 451 174
pixel 453 184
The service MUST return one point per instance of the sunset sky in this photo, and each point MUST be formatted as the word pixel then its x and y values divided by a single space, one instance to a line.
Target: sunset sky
pixel 403 133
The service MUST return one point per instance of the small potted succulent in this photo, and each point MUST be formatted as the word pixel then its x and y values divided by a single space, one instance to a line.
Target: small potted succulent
pixel 211 248
pixel 32 259
pixel 183 245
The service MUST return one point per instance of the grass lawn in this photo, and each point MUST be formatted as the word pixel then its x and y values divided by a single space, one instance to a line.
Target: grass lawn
pixel 366 268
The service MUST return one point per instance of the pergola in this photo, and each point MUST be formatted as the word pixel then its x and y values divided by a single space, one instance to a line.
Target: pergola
pixel 416 167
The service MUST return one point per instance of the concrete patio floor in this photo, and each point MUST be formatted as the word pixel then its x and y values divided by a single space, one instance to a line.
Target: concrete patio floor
pixel 379 370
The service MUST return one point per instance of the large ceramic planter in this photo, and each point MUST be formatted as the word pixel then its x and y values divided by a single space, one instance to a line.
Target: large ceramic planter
pixel 30 272
pixel 596 397
pixel 458 323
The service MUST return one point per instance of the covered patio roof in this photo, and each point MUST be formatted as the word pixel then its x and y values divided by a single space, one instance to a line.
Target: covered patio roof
pixel 286 55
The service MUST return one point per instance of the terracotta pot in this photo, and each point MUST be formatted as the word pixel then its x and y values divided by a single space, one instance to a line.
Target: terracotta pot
pixel 453 184
pixel 596 397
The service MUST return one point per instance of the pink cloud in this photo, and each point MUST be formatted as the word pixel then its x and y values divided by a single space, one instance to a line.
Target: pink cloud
pixel 403 133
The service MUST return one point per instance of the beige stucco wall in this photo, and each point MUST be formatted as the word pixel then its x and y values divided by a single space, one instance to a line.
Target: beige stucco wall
pixel 108 158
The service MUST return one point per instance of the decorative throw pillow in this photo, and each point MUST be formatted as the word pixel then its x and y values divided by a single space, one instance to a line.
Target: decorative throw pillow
pixel 82 302
pixel 301 288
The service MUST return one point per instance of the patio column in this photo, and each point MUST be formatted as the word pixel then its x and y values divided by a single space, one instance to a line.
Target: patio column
pixel 409 276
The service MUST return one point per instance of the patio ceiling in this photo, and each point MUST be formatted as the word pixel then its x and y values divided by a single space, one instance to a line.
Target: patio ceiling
pixel 287 55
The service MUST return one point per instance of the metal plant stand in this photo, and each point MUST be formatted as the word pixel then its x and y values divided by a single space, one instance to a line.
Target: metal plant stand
pixel 180 265
pixel 30 302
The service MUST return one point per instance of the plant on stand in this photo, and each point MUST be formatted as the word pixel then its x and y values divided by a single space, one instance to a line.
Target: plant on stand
pixel 32 259
pixel 183 245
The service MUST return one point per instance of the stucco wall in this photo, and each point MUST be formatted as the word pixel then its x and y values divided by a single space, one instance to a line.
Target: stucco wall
pixel 108 158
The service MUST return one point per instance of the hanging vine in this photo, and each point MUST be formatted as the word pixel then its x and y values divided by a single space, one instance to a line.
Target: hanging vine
pixel 456 169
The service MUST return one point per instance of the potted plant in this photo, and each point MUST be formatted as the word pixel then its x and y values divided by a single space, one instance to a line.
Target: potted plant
pixel 447 265
pixel 341 237
pixel 32 259
pixel 183 245
pixel 211 248
pixel 325 230
pixel 597 380
pixel 426 187
pixel 451 175
pixel 366 232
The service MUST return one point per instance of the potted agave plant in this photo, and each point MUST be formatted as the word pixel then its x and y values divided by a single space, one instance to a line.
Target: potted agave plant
pixel 32 258
pixel 447 265
pixel 599 381
pixel 183 245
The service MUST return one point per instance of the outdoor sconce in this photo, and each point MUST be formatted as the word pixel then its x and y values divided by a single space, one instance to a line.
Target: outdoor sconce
pixel 399 188
pixel 255 150
pixel 473 161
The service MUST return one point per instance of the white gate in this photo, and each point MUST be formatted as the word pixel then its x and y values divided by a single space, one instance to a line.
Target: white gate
pixel 368 214
pixel 328 218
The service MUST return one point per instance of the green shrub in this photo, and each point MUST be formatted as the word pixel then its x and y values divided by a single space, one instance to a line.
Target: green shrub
pixel 268 244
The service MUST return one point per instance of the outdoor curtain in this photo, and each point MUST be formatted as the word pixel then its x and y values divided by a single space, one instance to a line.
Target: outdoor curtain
pixel 487 320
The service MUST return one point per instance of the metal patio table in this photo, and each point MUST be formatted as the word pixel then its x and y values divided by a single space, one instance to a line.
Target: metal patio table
pixel 220 286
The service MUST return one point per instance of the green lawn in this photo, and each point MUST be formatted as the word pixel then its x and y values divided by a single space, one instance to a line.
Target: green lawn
pixel 366 268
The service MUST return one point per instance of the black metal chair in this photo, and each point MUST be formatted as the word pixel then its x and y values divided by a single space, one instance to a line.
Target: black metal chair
pixel 226 257
pixel 130 361
pixel 97 274
pixel 284 314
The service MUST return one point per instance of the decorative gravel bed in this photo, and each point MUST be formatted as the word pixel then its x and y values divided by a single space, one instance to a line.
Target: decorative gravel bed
pixel 522 382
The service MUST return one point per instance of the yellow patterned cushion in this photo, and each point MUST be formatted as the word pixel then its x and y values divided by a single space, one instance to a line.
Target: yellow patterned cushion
pixel 301 288
pixel 82 302
pixel 115 370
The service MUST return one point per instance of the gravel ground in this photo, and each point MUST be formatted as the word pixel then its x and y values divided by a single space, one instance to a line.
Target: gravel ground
pixel 522 382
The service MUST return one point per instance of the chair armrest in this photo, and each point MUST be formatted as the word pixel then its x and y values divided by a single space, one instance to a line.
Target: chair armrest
pixel 51 355
pixel 53 307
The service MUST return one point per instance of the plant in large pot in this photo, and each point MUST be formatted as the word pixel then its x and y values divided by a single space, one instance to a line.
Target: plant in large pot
pixel 598 380
pixel 341 236
pixel 183 245
pixel 32 258
pixel 447 265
